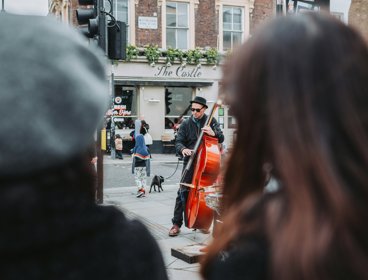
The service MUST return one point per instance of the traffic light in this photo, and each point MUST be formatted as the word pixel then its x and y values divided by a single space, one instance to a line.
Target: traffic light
pixel 116 45
pixel 87 17
pixel 168 99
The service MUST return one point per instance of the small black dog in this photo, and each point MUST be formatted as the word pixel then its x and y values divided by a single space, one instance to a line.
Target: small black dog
pixel 157 180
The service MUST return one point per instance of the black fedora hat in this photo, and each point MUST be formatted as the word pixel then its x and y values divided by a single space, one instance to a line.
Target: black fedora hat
pixel 199 100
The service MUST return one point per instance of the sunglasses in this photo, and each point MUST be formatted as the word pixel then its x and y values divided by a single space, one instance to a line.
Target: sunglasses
pixel 197 110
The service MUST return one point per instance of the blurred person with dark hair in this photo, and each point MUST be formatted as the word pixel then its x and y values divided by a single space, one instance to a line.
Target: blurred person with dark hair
pixel 145 125
pixel 147 136
pixel 299 92
pixel 51 226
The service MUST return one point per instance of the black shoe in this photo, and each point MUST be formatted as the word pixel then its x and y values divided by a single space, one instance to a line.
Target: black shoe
pixel 174 231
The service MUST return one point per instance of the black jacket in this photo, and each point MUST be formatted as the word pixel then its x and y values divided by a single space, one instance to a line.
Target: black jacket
pixel 189 131
pixel 65 240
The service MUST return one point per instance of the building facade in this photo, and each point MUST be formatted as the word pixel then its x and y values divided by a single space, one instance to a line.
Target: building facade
pixel 158 90
pixel 190 36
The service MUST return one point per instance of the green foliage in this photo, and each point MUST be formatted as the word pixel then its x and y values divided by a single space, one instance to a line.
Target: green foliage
pixel 171 55
pixel 180 55
pixel 131 52
pixel 212 56
pixel 194 56
pixel 152 53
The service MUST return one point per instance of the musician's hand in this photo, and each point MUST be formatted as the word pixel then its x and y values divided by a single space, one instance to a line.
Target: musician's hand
pixel 186 152
pixel 208 130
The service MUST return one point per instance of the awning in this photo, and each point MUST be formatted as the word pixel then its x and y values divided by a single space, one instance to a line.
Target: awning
pixel 168 83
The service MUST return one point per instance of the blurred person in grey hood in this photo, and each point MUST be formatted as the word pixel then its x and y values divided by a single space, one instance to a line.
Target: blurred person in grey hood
pixel 53 95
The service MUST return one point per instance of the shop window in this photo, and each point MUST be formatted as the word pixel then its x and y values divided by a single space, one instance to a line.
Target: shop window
pixel 176 103
pixel 177 25
pixel 125 107
pixel 233 18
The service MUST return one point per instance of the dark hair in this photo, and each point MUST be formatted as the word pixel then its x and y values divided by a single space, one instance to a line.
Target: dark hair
pixel 143 130
pixel 299 92
pixel 145 125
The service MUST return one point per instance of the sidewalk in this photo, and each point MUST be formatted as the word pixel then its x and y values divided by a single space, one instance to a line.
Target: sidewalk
pixel 155 211
pixel 128 158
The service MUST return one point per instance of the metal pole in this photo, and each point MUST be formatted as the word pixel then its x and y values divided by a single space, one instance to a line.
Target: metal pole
pixel 2 6
pixel 100 171
pixel 112 128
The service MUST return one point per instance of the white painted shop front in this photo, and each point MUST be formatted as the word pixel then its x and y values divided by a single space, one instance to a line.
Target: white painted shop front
pixel 159 94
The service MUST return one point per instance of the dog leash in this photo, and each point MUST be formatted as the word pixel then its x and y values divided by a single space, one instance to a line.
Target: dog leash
pixel 177 165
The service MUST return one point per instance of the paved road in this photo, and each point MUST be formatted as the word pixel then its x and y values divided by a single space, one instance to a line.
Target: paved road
pixel 118 173
pixel 155 210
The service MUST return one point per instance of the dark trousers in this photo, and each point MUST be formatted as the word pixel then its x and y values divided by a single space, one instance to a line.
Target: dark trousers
pixel 180 203
pixel 119 154
pixel 181 198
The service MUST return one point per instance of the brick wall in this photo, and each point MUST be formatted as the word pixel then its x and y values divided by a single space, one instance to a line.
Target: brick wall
pixel 358 16
pixel 206 20
pixel 263 10
pixel 147 8
pixel 73 8
pixel 206 24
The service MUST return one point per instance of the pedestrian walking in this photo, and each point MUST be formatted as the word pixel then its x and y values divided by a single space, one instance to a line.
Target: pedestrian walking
pixel 119 146
pixel 141 163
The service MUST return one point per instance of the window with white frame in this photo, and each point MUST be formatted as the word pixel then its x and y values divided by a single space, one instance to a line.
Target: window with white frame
pixel 177 25
pixel 177 100
pixel 233 18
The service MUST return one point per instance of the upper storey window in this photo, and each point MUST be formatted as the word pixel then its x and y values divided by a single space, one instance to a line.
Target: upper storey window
pixel 121 10
pixel 177 25
pixel 233 18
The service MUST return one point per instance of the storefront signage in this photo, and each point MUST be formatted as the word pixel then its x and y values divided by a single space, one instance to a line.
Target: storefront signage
pixel 122 102
pixel 121 110
pixel 178 72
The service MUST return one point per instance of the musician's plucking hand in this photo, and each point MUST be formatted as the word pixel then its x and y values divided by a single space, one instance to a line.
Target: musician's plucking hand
pixel 186 152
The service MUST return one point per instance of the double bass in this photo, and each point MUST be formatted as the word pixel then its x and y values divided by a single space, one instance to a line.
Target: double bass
pixel 207 155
